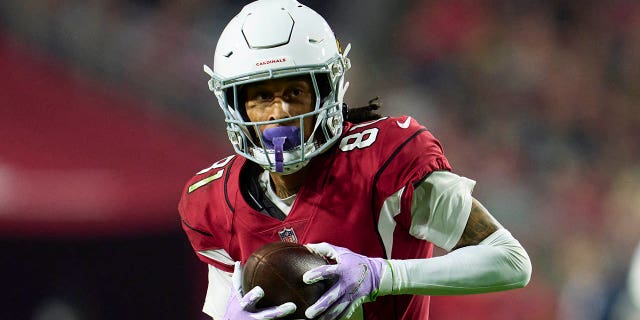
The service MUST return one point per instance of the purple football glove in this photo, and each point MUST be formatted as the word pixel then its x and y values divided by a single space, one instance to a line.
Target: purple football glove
pixel 358 279
pixel 237 305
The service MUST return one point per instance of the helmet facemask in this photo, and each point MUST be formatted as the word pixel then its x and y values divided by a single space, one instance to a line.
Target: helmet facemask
pixel 245 136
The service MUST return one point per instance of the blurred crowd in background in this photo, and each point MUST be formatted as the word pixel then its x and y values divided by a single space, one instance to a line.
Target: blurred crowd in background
pixel 538 101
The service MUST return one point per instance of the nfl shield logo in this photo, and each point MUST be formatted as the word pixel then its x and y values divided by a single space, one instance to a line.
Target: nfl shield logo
pixel 288 235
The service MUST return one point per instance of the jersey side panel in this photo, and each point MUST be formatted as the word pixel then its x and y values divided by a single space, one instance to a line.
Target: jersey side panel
pixel 423 154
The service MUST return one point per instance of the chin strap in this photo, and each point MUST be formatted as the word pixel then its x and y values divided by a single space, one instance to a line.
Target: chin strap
pixel 278 144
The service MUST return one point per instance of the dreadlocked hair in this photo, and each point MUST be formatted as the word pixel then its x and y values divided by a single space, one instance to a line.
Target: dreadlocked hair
pixel 365 113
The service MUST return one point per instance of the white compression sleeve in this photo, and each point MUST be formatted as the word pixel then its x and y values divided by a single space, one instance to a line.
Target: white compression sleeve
pixel 497 263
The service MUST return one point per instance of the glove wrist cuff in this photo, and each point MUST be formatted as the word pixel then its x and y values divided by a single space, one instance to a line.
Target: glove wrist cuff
pixel 386 279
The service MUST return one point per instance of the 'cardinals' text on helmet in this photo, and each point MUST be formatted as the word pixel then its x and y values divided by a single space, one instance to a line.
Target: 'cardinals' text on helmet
pixel 273 39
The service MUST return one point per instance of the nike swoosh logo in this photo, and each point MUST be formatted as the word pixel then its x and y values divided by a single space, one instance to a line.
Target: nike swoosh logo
pixel 404 124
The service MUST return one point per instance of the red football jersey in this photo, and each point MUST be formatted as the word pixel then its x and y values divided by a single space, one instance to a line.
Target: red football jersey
pixel 345 201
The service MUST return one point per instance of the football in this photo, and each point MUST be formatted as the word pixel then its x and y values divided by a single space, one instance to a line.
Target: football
pixel 278 268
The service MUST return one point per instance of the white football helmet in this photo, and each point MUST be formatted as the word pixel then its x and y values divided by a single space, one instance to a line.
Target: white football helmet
pixel 274 39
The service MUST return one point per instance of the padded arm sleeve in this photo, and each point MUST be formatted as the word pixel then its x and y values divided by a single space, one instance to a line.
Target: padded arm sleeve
pixel 440 207
pixel 497 263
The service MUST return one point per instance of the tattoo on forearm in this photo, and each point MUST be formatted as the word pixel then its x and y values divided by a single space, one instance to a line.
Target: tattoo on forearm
pixel 479 226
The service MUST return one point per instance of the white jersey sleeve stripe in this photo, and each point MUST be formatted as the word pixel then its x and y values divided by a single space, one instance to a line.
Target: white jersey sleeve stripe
pixel 219 255
pixel 386 222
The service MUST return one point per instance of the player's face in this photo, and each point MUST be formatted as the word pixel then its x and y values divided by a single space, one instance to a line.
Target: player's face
pixel 282 98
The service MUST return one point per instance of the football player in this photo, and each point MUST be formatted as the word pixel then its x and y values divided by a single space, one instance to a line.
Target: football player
pixel 372 193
